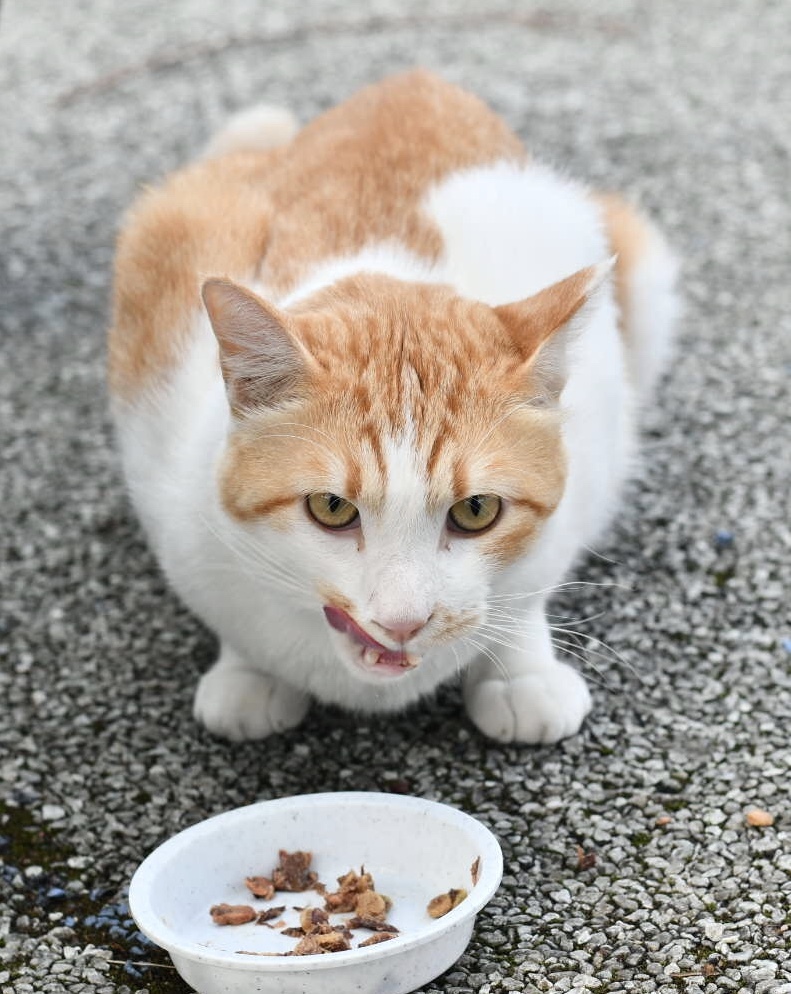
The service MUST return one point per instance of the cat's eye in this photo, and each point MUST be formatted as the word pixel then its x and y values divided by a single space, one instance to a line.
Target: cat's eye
pixel 474 514
pixel 332 511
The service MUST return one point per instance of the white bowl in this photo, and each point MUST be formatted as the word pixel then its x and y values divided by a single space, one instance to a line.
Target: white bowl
pixel 414 849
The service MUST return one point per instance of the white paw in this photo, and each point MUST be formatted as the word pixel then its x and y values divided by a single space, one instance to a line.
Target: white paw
pixel 240 704
pixel 539 707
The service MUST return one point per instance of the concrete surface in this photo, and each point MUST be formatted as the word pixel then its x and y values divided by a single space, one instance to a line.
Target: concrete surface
pixel 687 107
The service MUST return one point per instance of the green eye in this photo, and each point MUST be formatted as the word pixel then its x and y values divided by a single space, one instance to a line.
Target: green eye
pixel 332 511
pixel 475 513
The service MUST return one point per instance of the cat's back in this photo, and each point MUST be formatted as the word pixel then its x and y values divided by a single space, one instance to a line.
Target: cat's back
pixel 354 176
pixel 359 173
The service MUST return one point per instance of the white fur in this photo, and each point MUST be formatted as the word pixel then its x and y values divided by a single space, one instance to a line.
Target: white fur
pixel 652 312
pixel 509 231
pixel 383 257
pixel 254 129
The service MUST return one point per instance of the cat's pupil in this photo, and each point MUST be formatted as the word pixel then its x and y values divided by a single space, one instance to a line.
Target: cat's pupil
pixel 476 505
pixel 334 503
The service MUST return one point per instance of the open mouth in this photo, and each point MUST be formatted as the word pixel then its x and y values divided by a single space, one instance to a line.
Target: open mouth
pixel 372 656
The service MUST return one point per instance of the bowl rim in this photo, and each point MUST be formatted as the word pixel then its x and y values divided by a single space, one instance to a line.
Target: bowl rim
pixel 169 939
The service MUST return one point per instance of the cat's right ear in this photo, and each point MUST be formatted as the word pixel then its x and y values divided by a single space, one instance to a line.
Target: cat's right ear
pixel 262 362
pixel 544 326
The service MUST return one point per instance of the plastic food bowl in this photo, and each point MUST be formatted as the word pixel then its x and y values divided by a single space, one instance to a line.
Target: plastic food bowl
pixel 414 849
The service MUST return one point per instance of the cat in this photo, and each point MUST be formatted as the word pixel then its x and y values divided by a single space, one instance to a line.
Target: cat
pixel 376 384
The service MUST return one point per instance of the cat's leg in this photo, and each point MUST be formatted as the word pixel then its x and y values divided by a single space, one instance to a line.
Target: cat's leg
pixel 238 702
pixel 526 695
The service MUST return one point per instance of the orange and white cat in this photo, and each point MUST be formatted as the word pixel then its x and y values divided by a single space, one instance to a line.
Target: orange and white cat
pixel 375 384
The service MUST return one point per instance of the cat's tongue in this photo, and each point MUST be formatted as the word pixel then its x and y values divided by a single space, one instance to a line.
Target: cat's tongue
pixel 376 656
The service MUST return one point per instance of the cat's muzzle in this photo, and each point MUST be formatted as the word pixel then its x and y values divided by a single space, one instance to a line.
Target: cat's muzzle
pixel 370 655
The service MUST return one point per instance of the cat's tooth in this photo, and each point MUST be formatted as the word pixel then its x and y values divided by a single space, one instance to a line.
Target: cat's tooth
pixel 371 657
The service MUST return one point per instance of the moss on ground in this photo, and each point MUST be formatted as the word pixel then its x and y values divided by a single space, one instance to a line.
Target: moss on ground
pixel 25 843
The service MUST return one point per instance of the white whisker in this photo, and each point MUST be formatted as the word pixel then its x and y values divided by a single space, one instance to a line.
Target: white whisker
pixel 498 598
pixel 490 655
pixel 514 615
pixel 299 424
pixel 598 555
pixel 508 414
pixel 299 438
pixel 500 633
pixel 263 566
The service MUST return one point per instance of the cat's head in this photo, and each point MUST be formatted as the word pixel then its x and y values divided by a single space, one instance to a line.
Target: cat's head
pixel 401 443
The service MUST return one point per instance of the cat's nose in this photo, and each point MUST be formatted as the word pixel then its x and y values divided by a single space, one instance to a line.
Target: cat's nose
pixel 403 630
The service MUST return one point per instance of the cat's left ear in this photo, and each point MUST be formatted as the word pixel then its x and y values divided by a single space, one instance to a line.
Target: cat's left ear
pixel 263 363
pixel 543 326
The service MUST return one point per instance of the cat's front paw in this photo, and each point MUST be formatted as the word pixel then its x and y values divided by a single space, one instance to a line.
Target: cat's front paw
pixel 540 707
pixel 241 704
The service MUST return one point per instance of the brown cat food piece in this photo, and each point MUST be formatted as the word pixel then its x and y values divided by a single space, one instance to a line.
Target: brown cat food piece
pixel 311 918
pixel 372 905
pixel 309 946
pixel 334 941
pixel 266 916
pixel 443 903
pixel 294 933
pixel 260 887
pixel 475 870
pixel 372 924
pixel 339 902
pixel 351 885
pixel 359 882
pixel 232 914
pixel 376 938
pixel 293 873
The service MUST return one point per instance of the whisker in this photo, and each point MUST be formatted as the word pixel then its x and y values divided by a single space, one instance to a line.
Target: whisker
pixel 508 414
pixel 299 438
pixel 459 668
pixel 592 638
pixel 299 424
pixel 257 560
pixel 490 655
pixel 513 615
pixel 591 551
pixel 494 635
pixel 498 598
pixel 491 631
pixel 586 664
pixel 256 572
pixel 260 575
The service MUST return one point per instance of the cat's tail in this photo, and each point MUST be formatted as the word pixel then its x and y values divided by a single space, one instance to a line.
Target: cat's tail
pixel 645 286
pixel 255 129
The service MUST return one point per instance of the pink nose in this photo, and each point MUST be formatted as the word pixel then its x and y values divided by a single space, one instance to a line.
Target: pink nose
pixel 403 631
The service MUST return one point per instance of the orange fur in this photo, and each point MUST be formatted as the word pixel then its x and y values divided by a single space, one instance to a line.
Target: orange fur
pixel 533 320
pixel 381 359
pixel 335 598
pixel 452 624
pixel 347 178
pixel 384 354
pixel 629 236
pixel 211 219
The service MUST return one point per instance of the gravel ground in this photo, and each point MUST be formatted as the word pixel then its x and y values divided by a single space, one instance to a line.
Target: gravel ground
pixel 685 107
